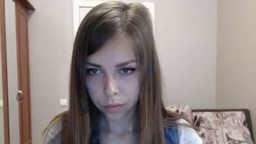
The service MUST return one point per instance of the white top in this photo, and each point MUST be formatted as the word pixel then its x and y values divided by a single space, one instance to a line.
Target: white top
pixel 187 134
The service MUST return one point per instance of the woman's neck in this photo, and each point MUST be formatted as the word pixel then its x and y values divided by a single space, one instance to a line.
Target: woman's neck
pixel 125 124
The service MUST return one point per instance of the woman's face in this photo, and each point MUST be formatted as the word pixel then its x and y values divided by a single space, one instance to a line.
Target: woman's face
pixel 113 78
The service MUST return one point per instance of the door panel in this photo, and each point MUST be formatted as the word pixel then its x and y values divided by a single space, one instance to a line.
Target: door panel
pixel 23 74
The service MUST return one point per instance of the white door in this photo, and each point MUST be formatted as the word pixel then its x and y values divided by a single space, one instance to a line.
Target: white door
pixel 81 8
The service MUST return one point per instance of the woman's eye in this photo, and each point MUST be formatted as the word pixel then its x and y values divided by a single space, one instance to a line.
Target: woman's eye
pixel 126 71
pixel 93 71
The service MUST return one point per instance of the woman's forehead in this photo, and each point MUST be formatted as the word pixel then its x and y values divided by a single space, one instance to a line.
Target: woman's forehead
pixel 117 49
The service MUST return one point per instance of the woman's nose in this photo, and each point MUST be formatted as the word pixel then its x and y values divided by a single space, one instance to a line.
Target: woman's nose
pixel 111 87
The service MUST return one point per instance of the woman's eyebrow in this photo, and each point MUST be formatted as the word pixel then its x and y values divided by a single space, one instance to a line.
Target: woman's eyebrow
pixel 118 65
pixel 94 65
pixel 126 63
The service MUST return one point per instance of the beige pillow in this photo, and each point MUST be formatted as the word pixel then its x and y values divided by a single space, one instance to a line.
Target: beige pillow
pixel 184 110
pixel 227 127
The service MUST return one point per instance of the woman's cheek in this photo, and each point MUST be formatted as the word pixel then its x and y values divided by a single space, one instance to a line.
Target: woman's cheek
pixel 93 85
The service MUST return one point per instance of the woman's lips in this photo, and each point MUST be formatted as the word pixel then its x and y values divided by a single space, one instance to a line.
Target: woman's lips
pixel 112 108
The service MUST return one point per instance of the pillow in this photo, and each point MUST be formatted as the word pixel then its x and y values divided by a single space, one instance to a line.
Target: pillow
pixel 225 127
pixel 184 110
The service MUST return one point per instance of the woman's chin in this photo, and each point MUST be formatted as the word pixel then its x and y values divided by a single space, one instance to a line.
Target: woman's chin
pixel 114 116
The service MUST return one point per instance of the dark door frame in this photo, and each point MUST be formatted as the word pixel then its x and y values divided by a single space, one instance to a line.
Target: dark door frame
pixel 28 7
pixel 4 71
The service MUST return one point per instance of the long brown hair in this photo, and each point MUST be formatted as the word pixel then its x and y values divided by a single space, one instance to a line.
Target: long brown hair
pixel 101 24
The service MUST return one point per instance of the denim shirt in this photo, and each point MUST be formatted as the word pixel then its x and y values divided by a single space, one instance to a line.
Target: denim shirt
pixel 179 135
pixel 171 135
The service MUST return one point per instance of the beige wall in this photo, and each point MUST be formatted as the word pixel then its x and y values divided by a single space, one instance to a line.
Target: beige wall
pixel 51 38
pixel 186 42
pixel 185 38
pixel 236 62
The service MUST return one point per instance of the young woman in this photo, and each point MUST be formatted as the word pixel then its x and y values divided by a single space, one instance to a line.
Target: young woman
pixel 115 87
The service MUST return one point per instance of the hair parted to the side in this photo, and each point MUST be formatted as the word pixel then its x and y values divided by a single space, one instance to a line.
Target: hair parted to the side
pixel 100 25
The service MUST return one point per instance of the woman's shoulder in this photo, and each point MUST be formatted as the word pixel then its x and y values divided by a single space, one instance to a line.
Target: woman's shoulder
pixel 182 133
pixel 52 134
pixel 187 134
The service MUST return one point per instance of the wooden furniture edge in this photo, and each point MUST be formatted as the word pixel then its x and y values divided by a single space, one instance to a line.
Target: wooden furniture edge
pixel 26 4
